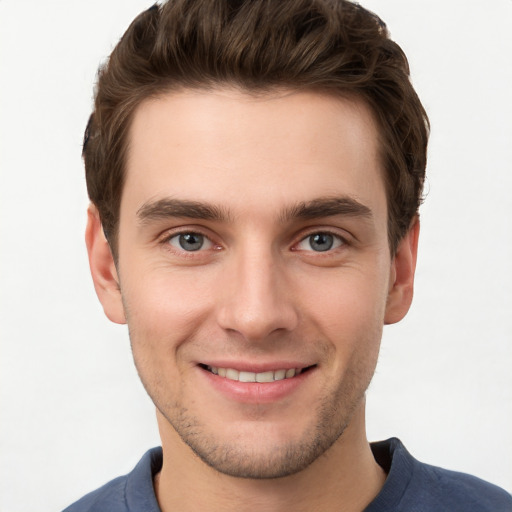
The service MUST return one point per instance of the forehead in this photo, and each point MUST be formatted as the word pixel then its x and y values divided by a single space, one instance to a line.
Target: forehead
pixel 247 152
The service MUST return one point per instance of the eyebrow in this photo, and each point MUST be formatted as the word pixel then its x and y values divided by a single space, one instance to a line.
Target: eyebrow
pixel 308 210
pixel 327 207
pixel 169 207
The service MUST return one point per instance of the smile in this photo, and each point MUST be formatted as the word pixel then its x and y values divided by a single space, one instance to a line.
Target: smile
pixel 267 376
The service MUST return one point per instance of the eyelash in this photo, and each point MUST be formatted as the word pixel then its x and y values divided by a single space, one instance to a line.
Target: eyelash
pixel 165 241
pixel 343 242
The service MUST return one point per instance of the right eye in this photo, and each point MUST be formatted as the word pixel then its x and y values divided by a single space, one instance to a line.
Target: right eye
pixel 190 242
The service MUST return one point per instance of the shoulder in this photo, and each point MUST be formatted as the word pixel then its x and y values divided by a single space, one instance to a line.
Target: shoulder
pixel 131 492
pixel 413 485
pixel 453 491
pixel 110 496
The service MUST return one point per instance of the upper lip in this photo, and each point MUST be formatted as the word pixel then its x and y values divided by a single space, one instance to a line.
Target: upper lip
pixel 245 366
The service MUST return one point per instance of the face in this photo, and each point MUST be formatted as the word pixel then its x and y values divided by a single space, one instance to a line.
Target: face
pixel 254 271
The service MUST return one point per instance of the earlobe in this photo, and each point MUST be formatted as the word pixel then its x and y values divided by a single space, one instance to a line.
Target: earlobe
pixel 403 266
pixel 103 269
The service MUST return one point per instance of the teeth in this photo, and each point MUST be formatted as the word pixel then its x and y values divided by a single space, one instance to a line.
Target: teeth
pixel 269 376
pixel 247 377
pixel 265 377
pixel 232 374
pixel 279 374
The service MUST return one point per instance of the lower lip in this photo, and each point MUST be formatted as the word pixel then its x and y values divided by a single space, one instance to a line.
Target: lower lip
pixel 256 392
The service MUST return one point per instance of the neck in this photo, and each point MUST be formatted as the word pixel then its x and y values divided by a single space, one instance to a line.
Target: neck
pixel 346 477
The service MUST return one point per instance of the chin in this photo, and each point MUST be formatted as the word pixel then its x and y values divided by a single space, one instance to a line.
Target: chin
pixel 257 449
pixel 268 462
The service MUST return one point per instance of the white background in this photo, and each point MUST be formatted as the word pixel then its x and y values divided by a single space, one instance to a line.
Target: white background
pixel 73 413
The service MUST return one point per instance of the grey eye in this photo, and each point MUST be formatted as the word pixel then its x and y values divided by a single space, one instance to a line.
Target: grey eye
pixel 190 242
pixel 320 242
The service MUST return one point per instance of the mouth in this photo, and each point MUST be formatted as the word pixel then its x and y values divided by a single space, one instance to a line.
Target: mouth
pixel 260 377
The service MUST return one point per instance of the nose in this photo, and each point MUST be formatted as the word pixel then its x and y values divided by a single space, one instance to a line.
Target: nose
pixel 257 300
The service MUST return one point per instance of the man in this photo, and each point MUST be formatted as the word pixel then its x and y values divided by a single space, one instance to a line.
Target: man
pixel 255 170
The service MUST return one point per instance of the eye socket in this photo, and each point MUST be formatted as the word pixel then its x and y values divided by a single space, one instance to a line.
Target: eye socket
pixel 320 242
pixel 190 241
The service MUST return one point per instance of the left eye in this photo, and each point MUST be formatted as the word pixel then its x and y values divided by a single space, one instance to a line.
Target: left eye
pixel 320 242
pixel 190 242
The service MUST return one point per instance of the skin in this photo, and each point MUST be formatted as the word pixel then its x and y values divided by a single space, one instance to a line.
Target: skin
pixel 257 178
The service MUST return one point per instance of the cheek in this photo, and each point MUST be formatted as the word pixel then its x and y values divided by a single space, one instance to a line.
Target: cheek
pixel 163 314
pixel 348 310
pixel 347 296
pixel 165 308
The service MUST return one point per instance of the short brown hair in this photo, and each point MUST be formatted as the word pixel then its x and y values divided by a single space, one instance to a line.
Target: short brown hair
pixel 332 46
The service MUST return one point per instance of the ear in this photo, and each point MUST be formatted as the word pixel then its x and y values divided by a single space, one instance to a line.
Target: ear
pixel 103 269
pixel 401 281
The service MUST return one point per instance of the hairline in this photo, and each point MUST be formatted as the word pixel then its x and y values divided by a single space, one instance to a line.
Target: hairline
pixel 158 91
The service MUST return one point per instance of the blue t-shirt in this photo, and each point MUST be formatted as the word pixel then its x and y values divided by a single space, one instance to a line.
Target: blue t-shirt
pixel 411 486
